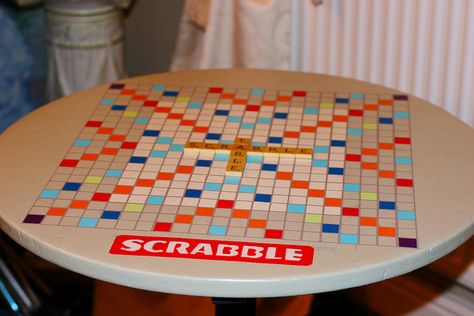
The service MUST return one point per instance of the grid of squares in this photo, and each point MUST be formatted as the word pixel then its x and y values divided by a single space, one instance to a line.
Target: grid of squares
pixel 128 169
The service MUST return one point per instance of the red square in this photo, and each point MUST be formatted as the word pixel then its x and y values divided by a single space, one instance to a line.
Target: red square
pixel 356 112
pixel 69 163
pixel 93 124
pixel 162 227
pixel 350 211
pixel 274 233
pixel 402 140
pixel 129 145
pixel 299 93
pixel 253 108
pixel 150 103
pixel 101 197
pixel 404 182
pixel 225 204
pixel 352 157
pixel 215 90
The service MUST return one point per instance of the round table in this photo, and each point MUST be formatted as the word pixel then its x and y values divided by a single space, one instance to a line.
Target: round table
pixel 32 192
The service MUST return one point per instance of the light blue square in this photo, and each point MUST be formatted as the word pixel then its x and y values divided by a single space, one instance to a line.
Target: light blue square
pixel 176 147
pixel 158 154
pixel 310 111
pixel 159 87
pixel 247 188
pixel 221 157
pixel 357 95
pixel 321 149
pixel 107 101
pixel 194 105
pixel 49 194
pixel 258 143
pixel 349 239
pixel 227 142
pixel 212 186
pixel 155 200
pixel 142 120
pixel 401 115
pixel 296 208
pixel 113 173
pixel 354 131
pixel 320 163
pixel 217 230
pixel 231 180
pixel 88 222
pixel 247 125
pixel 82 143
pixel 264 120
pixel 254 159
pixel 257 91
pixel 164 140
pixel 406 215
pixel 234 119
pixel 351 187
pixel 403 160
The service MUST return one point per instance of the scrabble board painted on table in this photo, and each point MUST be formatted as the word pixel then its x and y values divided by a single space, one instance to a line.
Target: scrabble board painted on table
pixel 250 164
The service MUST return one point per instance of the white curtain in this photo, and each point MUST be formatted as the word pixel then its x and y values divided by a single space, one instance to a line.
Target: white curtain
pixel 423 47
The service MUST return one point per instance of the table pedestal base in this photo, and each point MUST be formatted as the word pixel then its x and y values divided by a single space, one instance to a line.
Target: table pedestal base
pixel 234 306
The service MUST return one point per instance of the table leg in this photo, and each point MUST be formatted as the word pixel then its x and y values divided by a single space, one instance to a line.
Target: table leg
pixel 234 306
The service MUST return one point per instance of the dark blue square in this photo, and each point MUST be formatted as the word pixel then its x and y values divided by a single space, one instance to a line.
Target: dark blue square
pixel 136 159
pixel 336 171
pixel 222 112
pixel 338 143
pixel 330 228
pixel 71 186
pixel 170 93
pixel 269 167
pixel 151 132
pixel 110 215
pixel 342 100
pixel 263 197
pixel 119 108
pixel 213 136
pixel 193 193
pixel 275 140
pixel 386 120
pixel 203 163
pixel 386 205
pixel 279 115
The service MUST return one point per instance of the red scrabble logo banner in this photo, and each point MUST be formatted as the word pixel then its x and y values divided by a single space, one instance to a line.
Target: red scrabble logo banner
pixel 224 250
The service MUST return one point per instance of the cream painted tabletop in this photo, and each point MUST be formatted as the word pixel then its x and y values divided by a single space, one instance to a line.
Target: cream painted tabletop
pixel 79 191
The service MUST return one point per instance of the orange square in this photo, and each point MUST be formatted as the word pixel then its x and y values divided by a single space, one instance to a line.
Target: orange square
pixel 284 98
pixel 308 129
pixel 201 129
pixel 109 151
pixel 175 116
pixel 145 182
pixel 162 109
pixel 332 202
pixel 139 97
pixel 368 221
pixel 370 107
pixel 117 138
pixel 386 102
pixel 127 91
pixel 369 151
pixel 240 101
pixel 316 193
pixel 257 223
pixel 268 102
pixel 300 184
pixel 283 175
pixel 240 213
pixel 186 219
pixel 165 176
pixel 340 118
pixel 57 211
pixel 105 130
pixel 386 146
pixel 386 174
pixel 89 157
pixel 185 169
pixel 369 166
pixel 324 124
pixel 291 134
pixel 79 204
pixel 227 96
pixel 205 211
pixel 188 122
pixel 387 231
pixel 123 189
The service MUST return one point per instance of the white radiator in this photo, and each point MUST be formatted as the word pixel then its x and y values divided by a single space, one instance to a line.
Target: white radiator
pixel 424 47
